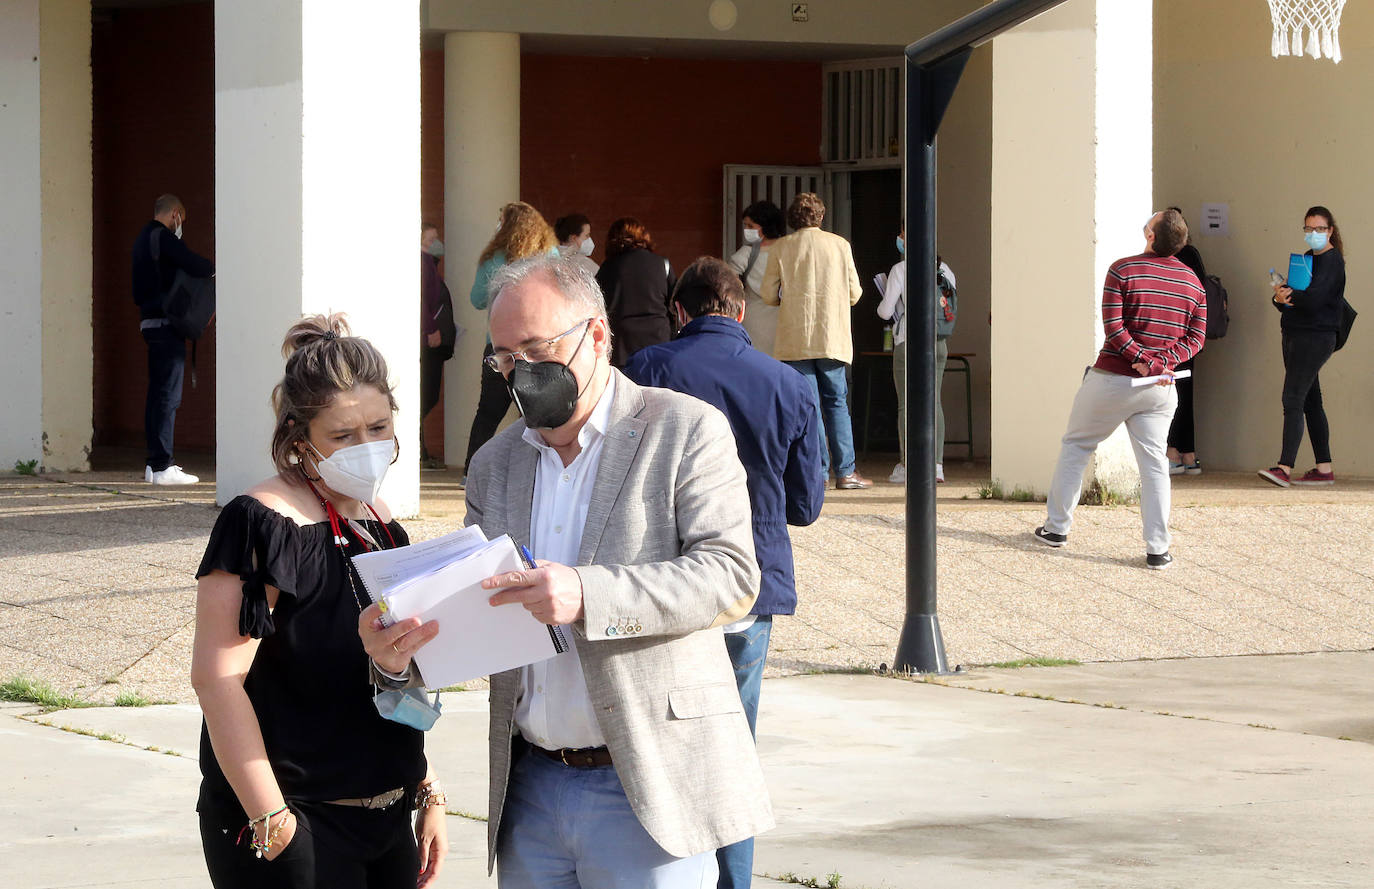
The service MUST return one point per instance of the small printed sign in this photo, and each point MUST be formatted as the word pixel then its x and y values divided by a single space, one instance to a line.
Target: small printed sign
pixel 1216 219
pixel 800 13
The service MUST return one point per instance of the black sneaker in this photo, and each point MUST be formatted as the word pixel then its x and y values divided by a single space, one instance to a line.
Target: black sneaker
pixel 1158 561
pixel 1049 538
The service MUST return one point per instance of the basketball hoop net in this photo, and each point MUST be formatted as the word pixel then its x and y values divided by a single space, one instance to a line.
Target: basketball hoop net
pixel 1321 18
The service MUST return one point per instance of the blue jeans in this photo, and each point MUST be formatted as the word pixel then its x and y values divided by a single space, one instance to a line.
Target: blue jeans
pixel 826 376
pixel 748 651
pixel 573 828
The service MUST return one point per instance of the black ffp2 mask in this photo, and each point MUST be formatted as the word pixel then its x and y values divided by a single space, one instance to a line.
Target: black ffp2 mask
pixel 545 392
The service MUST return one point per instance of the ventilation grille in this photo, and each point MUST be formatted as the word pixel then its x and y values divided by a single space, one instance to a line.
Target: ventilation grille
pixel 864 113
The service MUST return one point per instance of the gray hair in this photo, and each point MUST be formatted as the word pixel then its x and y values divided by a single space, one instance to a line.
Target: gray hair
pixel 573 281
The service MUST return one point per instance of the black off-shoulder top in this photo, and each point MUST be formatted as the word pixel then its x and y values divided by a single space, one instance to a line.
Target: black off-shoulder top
pixel 309 683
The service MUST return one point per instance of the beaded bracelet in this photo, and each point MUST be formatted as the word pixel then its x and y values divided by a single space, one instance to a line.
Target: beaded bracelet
pixel 270 833
pixel 429 794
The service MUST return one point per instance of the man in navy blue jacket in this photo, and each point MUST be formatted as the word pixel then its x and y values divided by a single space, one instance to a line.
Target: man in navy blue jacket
pixel 772 411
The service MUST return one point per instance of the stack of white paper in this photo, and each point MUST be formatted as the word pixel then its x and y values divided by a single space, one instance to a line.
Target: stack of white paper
pixel 440 580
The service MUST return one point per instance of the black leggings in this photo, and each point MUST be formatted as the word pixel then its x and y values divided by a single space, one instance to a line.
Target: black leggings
pixel 335 847
pixel 1304 353
pixel 1181 435
pixel 492 405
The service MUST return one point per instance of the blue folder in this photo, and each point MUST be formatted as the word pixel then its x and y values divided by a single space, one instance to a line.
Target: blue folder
pixel 1299 271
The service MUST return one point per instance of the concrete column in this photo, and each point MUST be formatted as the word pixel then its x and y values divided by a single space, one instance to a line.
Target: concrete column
pixel 481 172
pixel 1071 191
pixel 45 233
pixel 317 192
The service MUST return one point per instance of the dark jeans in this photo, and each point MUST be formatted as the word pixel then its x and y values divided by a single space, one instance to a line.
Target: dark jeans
pixel 1181 435
pixel 492 405
pixel 166 371
pixel 340 847
pixel 1304 353
pixel 748 651
pixel 431 380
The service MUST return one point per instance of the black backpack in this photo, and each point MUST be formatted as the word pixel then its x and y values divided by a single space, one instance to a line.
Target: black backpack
pixel 189 303
pixel 1217 317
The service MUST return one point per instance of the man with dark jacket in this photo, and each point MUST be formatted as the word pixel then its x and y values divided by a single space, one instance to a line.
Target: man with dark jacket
pixel 166 347
pixel 773 415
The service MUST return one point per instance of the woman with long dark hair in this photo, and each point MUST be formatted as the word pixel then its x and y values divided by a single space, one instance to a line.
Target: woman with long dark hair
pixel 638 284
pixel 1310 320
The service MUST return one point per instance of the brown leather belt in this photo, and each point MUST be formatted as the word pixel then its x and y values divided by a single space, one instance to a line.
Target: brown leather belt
pixel 380 801
pixel 577 757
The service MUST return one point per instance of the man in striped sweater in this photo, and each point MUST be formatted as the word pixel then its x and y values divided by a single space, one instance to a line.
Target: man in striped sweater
pixel 1154 315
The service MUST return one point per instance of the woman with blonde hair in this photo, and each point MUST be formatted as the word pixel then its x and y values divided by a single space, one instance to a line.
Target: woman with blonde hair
pixel 521 233
pixel 305 783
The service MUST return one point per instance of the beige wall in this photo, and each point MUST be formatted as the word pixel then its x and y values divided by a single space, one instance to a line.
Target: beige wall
pixel 1270 137
pixel 65 133
pixel 964 209
pixel 872 22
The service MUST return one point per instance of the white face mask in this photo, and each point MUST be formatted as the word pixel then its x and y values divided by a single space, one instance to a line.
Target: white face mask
pixel 588 245
pixel 357 471
pixel 178 230
pixel 752 236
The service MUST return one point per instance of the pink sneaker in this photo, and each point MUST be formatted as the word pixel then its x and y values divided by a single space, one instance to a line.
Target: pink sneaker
pixel 1313 477
pixel 1276 475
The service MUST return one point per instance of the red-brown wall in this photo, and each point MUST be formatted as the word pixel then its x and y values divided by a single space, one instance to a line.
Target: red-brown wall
pixel 607 137
pixel 614 137
pixel 153 131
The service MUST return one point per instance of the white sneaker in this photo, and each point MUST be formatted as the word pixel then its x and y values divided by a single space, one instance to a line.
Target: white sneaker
pixel 939 473
pixel 147 473
pixel 898 476
pixel 172 475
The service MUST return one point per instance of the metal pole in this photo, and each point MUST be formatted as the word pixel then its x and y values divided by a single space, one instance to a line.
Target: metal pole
pixel 920 648
pixel 933 67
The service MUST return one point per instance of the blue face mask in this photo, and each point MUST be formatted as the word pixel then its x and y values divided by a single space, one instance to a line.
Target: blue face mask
pixel 1316 240
pixel 901 246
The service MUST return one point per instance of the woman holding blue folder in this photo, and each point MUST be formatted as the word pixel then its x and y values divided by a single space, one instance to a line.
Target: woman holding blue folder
pixel 1311 318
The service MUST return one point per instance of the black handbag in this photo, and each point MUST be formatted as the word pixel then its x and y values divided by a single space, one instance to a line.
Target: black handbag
pixel 1348 315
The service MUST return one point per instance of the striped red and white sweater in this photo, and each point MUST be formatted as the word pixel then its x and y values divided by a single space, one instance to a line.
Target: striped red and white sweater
pixel 1154 311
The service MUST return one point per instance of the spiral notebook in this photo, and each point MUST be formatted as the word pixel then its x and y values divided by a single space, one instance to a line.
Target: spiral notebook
pixel 441 580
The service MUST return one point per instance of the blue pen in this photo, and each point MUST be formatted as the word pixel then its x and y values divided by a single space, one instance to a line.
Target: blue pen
pixel 526 555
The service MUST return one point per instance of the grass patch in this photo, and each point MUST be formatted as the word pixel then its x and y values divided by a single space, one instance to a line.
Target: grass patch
pixel 1035 662
pixel 994 489
pixel 1022 495
pixel 459 687
pixel 132 699
pixel 26 467
pixel 35 691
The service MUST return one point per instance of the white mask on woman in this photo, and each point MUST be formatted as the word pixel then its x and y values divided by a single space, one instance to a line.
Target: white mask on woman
pixel 751 236
pixel 357 471
pixel 588 245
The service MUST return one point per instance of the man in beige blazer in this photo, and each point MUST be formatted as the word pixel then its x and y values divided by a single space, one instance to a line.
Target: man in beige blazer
pixel 811 277
pixel 628 760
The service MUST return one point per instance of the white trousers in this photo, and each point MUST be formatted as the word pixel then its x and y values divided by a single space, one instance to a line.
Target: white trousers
pixel 1104 402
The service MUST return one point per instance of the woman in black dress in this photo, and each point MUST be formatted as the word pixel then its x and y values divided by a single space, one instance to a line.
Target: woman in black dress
pixel 1310 320
pixel 638 285
pixel 304 783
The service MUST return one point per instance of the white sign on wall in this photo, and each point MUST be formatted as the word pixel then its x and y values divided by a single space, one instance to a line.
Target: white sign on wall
pixel 1216 219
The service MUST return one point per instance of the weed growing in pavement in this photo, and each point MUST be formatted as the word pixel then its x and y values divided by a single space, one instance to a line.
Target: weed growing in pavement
pixel 1035 662
pixel 471 816
pixel 26 467
pixel 1022 495
pixel 990 490
pixel 1099 494
pixel 35 691
pixel 134 699
pixel 832 880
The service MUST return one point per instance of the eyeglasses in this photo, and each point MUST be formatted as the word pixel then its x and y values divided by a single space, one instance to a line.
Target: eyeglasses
pixel 1320 229
pixel 504 362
